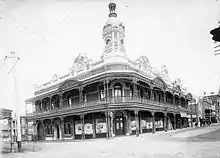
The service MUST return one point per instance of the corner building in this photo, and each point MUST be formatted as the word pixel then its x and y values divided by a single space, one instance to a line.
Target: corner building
pixel 110 97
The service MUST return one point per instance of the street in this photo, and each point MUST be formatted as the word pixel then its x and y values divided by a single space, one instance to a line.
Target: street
pixel 184 143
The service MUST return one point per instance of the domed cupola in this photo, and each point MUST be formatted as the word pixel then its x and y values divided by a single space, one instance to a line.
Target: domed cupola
pixel 113 34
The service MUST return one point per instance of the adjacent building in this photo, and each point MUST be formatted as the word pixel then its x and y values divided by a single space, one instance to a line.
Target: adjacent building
pixel 24 127
pixel 209 107
pixel 109 97
pixel 5 125
pixel 193 106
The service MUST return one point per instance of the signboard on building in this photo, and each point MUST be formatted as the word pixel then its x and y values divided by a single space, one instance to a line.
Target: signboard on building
pixel 88 128
pixel 78 128
pixel 159 124
pixel 149 125
pixel 101 126
pixel 143 124
pixel 133 125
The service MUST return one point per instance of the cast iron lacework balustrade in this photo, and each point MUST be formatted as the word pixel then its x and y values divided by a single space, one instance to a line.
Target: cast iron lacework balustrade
pixel 111 100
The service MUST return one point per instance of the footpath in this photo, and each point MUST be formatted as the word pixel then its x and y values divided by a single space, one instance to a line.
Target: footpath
pixel 196 131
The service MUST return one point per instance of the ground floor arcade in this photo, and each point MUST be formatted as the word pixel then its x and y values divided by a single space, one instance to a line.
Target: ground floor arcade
pixel 107 124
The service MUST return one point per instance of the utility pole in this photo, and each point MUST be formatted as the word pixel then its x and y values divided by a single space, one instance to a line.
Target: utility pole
pixel 16 97
pixel 11 135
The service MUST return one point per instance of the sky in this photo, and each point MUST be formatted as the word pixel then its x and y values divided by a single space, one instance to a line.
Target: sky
pixel 47 35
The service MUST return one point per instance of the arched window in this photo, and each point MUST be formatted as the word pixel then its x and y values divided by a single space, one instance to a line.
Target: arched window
pixel 155 96
pixel 117 90
pixel 131 93
pixel 69 102
pixel 122 41
pixel 108 42
pixel 48 105
pixel 159 97
pixel 101 93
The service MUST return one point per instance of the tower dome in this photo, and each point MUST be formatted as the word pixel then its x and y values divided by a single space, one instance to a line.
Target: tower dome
pixel 113 34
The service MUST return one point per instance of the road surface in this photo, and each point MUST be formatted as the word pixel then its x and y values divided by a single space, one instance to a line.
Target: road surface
pixel 187 143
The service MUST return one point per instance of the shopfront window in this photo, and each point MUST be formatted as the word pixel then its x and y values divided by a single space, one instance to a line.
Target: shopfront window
pixel 49 129
pixel 67 128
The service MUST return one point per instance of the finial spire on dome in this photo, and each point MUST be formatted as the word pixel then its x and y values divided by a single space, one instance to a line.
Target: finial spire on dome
pixel 112 7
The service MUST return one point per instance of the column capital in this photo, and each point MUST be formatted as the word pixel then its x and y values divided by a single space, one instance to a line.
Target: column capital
pixel 134 80
pixel 41 120
pixel 111 114
pixel 61 118
pixel 107 80
pixel 34 122
pixel 136 111
pixel 106 113
pixel 165 113
pixel 60 94
pixel 104 82
pixel 82 116
pixel 152 113
pixel 81 88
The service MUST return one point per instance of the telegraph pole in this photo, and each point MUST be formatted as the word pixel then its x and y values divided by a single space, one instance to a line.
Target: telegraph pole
pixel 16 96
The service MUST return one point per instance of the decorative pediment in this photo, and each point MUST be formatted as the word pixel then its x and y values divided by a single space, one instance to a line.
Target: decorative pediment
pixel 177 88
pixel 143 63
pixel 55 78
pixel 189 96
pixel 80 63
pixel 68 83
pixel 177 82
pixel 159 81
pixel 164 69
pixel 177 85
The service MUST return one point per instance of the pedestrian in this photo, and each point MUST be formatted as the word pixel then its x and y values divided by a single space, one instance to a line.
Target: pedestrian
pixel 196 124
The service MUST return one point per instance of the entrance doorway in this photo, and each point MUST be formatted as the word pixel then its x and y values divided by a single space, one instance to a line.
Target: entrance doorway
pixel 119 123
pixel 39 131
pixel 58 131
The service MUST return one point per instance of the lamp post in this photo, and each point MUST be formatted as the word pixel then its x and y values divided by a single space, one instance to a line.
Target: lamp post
pixel 16 97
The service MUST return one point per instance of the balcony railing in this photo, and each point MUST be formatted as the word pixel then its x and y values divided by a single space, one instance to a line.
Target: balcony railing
pixel 110 100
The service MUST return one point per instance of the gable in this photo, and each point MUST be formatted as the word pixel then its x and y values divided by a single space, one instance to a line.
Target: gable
pixel 159 81
pixel 177 88
pixel 68 83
